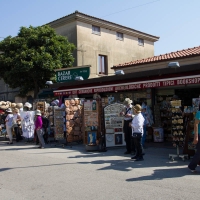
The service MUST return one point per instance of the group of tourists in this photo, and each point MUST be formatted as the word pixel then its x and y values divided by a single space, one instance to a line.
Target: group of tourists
pixel 13 122
pixel 134 128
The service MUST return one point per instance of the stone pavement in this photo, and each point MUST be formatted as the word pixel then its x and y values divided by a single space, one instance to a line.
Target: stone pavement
pixel 29 173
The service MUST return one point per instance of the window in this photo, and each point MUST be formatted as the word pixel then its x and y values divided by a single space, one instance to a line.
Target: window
pixel 96 30
pixel 140 42
pixel 102 65
pixel 120 36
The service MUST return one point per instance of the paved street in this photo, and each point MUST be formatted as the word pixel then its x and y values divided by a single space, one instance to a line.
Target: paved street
pixel 29 173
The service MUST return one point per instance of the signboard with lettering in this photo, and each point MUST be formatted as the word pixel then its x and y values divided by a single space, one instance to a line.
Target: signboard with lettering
pixel 69 74
pixel 134 85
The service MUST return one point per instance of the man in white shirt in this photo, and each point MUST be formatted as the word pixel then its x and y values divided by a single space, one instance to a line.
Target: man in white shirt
pixel 137 132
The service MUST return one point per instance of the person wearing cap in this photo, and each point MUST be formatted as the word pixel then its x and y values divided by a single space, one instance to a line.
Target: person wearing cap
pixel 17 120
pixel 9 124
pixel 27 106
pixel 128 116
pixel 137 131
pixel 38 128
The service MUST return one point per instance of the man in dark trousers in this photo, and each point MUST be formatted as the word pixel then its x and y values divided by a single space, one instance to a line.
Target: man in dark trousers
pixel 128 117
pixel 45 125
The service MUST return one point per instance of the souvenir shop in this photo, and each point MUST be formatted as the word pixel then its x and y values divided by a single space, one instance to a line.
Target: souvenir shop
pixel 156 93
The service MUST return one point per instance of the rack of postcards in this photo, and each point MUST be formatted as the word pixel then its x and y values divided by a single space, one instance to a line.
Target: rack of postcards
pixel 177 129
pixel 58 123
pixel 114 125
pixel 50 116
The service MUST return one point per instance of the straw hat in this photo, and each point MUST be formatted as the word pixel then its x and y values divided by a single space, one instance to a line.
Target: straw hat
pixel 19 105
pixel 13 105
pixel 137 108
pixel 16 110
pixel 9 110
pixel 38 112
pixel 127 101
pixel 27 104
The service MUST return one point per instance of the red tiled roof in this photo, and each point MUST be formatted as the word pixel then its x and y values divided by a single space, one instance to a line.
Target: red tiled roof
pixel 185 53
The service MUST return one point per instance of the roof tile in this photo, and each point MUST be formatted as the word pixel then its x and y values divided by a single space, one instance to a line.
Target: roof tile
pixel 195 51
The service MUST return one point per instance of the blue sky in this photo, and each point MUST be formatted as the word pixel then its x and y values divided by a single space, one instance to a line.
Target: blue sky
pixel 176 22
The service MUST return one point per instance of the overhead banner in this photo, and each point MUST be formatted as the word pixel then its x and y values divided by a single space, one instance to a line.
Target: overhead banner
pixel 132 86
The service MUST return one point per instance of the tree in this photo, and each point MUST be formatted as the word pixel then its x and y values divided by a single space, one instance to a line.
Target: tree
pixel 29 59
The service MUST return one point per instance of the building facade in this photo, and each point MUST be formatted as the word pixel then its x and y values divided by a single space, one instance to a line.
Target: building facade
pixel 103 44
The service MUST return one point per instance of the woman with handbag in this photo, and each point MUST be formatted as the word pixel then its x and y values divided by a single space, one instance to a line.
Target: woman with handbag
pixel 38 128
pixel 137 132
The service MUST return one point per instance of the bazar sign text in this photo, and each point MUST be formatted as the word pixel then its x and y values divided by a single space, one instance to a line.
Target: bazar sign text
pixel 141 85
pixel 67 75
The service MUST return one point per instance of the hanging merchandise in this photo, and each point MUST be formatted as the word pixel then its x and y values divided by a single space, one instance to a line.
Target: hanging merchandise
pixel 58 123
pixel 114 125
pixel 92 124
pixel 177 129
pixel 27 123
pixel 74 119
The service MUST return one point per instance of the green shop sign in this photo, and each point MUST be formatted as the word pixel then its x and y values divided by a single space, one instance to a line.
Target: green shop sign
pixel 69 74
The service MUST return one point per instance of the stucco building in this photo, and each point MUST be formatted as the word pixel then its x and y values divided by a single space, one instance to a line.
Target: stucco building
pixel 103 44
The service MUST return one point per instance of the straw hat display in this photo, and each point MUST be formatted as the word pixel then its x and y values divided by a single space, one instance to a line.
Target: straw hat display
pixel 4 105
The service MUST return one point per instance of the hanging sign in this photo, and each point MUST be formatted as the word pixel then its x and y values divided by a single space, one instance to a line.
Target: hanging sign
pixel 69 74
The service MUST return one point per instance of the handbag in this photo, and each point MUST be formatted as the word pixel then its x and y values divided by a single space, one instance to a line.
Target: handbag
pixel 137 135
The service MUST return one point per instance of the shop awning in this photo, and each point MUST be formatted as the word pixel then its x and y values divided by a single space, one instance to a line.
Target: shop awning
pixel 46 94
pixel 156 83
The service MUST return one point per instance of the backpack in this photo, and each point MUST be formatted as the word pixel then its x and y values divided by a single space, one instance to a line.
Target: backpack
pixel 45 122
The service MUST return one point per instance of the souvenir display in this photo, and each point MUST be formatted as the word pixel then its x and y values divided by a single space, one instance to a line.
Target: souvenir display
pixel 91 121
pixel 27 123
pixel 114 125
pixel 74 119
pixel 177 130
pixel 58 123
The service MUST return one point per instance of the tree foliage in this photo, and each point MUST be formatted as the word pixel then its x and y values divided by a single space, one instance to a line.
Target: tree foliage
pixel 29 59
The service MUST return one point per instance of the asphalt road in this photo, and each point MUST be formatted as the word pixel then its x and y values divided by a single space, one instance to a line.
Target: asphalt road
pixel 29 173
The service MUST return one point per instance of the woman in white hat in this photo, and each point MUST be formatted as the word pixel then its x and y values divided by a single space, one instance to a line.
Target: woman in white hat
pixel 17 120
pixel 9 124
pixel 38 128
pixel 137 131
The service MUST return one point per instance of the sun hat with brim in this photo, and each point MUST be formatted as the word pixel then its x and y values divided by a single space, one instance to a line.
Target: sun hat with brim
pixel 38 112
pixel 9 110
pixel 16 109
pixel 137 108
pixel 127 101
pixel 27 104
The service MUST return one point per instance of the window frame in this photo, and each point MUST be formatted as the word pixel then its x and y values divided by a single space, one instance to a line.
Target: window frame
pixel 140 42
pixel 118 36
pixel 95 31
pixel 103 68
